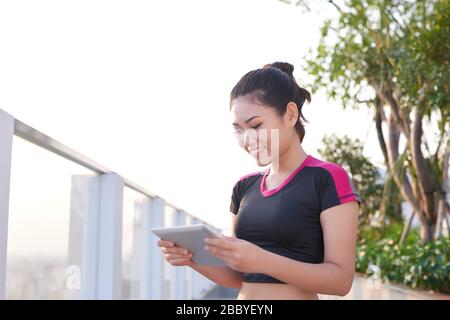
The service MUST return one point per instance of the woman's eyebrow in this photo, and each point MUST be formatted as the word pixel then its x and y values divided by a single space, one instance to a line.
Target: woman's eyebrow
pixel 249 119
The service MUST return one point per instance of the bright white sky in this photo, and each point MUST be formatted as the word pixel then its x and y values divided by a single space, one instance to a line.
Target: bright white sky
pixel 142 87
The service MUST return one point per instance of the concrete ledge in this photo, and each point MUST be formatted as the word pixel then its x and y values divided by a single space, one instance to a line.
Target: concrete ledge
pixel 364 289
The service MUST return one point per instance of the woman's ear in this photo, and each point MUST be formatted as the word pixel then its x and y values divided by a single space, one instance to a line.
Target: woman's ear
pixel 291 113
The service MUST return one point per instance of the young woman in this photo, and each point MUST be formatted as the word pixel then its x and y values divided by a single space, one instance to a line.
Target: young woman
pixel 294 224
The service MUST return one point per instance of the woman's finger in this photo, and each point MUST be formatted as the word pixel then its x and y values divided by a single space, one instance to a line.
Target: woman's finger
pixel 179 261
pixel 219 252
pixel 175 250
pixel 165 243
pixel 170 256
pixel 177 255
pixel 220 242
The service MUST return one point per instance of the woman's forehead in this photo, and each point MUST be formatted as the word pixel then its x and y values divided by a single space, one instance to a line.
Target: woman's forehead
pixel 247 100
pixel 248 105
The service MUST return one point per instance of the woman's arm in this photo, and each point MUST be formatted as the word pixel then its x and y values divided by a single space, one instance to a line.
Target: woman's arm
pixel 333 276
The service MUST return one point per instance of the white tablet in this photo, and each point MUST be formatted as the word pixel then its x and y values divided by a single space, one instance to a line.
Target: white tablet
pixel 192 238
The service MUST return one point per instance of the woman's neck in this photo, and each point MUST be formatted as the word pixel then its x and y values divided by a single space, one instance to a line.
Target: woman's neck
pixel 288 161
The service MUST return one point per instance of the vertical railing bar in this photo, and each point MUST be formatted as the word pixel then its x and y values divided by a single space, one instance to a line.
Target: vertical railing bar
pixel 109 261
pixel 155 215
pixel 6 137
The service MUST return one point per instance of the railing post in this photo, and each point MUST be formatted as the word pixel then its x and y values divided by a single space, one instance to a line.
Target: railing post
pixel 178 281
pixel 83 231
pixel 109 273
pixel 190 273
pixel 153 266
pixel 6 137
pixel 95 238
pixel 195 274
pixel 139 250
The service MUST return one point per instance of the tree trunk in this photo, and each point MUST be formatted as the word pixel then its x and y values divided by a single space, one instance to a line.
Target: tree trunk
pixel 401 179
pixel 425 179
pixel 379 127
pixel 427 232
pixel 422 194
pixel 406 228
pixel 443 200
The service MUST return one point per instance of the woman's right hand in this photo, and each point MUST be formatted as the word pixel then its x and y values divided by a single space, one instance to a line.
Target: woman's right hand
pixel 175 255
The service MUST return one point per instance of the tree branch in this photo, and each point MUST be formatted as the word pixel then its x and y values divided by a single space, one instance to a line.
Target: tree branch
pixel 336 6
pixel 400 177
pixel 425 178
pixel 379 127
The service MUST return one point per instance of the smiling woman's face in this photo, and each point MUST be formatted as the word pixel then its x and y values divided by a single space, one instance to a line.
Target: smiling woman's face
pixel 259 129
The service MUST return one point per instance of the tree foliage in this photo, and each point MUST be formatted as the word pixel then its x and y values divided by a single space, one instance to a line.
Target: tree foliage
pixel 393 56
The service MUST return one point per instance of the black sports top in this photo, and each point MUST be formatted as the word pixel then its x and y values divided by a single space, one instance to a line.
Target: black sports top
pixel 286 220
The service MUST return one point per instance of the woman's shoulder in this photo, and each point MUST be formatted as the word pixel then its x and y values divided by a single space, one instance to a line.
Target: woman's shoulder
pixel 331 168
pixel 336 180
pixel 250 177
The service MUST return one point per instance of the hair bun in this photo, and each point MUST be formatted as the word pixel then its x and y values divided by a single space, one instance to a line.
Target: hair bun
pixel 283 66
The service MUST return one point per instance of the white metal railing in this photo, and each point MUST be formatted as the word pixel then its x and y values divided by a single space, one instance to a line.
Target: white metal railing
pixel 97 250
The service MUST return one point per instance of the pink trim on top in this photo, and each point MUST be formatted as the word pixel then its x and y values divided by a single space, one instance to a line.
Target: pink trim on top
pixel 340 178
pixel 268 193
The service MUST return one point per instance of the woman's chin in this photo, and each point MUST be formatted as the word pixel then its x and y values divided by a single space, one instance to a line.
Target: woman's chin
pixel 262 162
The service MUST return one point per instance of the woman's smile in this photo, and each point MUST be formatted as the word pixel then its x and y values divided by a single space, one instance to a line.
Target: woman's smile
pixel 254 152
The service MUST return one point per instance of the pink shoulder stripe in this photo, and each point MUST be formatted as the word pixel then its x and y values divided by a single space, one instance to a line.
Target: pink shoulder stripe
pixel 340 178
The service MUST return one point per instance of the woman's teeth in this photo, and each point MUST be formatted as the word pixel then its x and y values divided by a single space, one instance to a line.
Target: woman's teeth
pixel 254 151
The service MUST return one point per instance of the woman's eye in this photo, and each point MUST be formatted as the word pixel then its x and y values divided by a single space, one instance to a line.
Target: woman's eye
pixel 241 130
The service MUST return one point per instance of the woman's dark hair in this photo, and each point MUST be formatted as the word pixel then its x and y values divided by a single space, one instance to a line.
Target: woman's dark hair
pixel 274 85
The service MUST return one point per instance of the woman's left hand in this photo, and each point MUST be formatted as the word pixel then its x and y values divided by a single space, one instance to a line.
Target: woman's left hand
pixel 238 254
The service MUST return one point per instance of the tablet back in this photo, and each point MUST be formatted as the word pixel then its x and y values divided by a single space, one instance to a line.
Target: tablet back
pixel 191 237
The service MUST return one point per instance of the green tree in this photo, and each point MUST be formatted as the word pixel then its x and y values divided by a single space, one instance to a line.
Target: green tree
pixel 393 56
